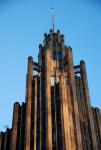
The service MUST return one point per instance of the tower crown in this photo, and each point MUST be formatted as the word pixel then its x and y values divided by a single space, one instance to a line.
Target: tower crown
pixel 54 43
pixel 53 38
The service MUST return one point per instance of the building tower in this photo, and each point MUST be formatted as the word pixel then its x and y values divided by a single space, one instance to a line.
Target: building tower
pixel 57 114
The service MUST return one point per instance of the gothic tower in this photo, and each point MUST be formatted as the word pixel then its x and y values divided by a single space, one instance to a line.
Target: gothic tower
pixel 57 114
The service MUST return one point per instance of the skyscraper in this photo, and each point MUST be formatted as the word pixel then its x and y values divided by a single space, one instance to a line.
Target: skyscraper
pixel 57 113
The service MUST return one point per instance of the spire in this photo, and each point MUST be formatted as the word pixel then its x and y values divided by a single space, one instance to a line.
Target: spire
pixel 52 9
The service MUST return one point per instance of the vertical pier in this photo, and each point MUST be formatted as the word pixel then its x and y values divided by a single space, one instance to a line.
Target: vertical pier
pixel 48 101
pixel 35 116
pixel 22 126
pixel 74 99
pixel 65 114
pixel 14 133
pixel 87 102
pixel 71 118
pixel 7 139
pixel 28 103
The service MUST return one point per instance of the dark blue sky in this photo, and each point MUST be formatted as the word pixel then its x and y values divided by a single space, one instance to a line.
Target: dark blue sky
pixel 22 26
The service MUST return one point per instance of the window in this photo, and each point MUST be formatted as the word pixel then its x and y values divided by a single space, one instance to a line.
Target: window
pixel 60 56
pixel 54 55
pixel 57 55
pixel 52 81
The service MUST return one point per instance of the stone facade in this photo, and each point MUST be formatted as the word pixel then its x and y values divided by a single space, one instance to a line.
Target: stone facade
pixel 57 113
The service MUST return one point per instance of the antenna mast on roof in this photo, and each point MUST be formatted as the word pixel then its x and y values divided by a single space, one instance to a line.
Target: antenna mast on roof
pixel 52 9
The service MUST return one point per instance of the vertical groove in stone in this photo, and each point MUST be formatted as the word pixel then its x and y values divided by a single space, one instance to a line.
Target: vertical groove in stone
pixel 35 117
pixel 74 96
pixel 14 132
pixel 72 127
pixel 40 111
pixel 48 102
pixel 28 103
pixel 87 102
pixel 56 123
pixel 65 114
pixel 62 120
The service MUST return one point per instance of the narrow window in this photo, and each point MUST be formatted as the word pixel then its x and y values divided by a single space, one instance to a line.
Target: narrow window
pixel 60 56
pixel 54 55
pixel 52 81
